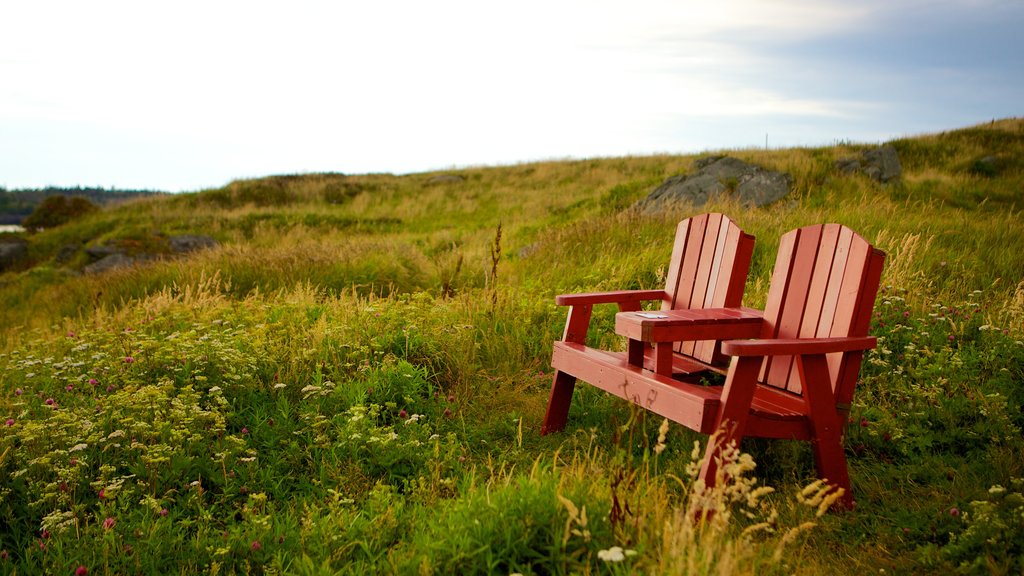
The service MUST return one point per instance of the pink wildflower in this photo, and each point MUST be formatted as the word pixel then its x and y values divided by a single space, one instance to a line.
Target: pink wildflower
pixel 256 545
pixel 93 381
pixel 129 359
pixel 81 571
pixel 163 512
pixel 49 401
pixel 109 523
pixel 70 388
pixel 245 430
pixel 954 511
pixel 18 391
pixel 10 421
pixel 402 413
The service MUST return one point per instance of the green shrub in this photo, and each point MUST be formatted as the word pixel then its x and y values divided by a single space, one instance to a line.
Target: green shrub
pixel 56 210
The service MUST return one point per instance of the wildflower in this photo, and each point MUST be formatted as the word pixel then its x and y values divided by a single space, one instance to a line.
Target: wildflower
pixel 163 512
pixel 256 545
pixel 102 493
pixel 402 413
pixel 4 554
pixel 451 398
pixel 615 554
pixel 71 334
pixel 81 571
pixel 70 388
pixel 18 392
pixel 110 388
pixel 93 381
pixel 447 412
pixel 245 430
pixel 49 401
pixel 954 511
pixel 10 421
pixel 662 432
pixel 109 523
pixel 129 359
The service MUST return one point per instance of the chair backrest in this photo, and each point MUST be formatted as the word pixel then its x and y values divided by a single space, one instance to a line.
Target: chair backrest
pixel 824 285
pixel 708 269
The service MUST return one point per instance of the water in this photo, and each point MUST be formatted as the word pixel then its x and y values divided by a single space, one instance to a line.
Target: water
pixel 10 228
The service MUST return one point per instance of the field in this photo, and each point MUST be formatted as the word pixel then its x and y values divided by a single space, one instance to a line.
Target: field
pixel 353 382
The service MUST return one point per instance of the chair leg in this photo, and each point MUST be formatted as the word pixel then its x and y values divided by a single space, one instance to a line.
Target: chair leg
pixel 737 395
pixel 827 439
pixel 562 386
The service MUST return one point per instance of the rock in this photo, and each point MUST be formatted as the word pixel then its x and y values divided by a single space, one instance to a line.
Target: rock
pixel 66 253
pixel 96 253
pixel 12 251
pixel 881 164
pixel 445 179
pixel 717 175
pixel 109 262
pixel 186 243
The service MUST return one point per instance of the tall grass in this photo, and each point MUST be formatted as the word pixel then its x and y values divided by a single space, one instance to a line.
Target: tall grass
pixel 269 402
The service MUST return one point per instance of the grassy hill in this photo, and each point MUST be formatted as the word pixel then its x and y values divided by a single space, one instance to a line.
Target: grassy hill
pixel 353 381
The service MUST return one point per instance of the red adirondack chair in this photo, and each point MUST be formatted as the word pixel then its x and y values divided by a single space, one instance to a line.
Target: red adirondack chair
pixel 708 269
pixel 797 379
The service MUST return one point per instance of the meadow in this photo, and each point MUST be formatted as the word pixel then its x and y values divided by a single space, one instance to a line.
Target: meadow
pixel 353 382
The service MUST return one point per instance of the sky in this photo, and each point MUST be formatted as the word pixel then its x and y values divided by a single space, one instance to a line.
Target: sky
pixel 192 94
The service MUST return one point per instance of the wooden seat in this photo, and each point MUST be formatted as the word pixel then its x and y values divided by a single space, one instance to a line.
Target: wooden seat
pixel 708 269
pixel 796 380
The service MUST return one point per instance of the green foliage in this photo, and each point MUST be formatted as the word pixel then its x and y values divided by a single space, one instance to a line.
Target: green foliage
pixel 354 381
pixel 57 210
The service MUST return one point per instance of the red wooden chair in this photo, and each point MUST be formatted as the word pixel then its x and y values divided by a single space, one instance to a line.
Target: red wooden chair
pixel 796 380
pixel 708 269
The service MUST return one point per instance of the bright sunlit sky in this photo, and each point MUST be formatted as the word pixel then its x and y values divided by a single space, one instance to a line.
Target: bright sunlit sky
pixel 192 94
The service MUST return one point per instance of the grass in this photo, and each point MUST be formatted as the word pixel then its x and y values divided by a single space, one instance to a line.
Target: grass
pixel 353 382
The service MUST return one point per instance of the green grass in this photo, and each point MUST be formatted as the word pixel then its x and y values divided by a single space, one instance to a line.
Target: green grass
pixel 354 381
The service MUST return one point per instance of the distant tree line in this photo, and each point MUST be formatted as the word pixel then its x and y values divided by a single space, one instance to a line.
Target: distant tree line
pixel 16 205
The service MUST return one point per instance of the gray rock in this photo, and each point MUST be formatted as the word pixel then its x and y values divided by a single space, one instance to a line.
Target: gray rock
pixel 881 164
pixel 109 262
pixel 190 243
pixel 717 175
pixel 96 253
pixel 446 179
pixel 67 252
pixel 12 251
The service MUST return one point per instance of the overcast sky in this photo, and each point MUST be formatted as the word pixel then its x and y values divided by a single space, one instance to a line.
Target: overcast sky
pixel 192 94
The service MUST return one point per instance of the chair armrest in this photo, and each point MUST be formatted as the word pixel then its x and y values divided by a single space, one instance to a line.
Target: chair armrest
pixel 610 297
pixel 796 346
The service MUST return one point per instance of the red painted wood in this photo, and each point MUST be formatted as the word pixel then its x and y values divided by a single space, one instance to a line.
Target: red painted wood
pixel 732 416
pixel 691 258
pixel 792 346
pixel 675 264
pixel 616 297
pixel 826 428
pixel 560 399
pixel 791 309
pixel 703 273
pixel 577 323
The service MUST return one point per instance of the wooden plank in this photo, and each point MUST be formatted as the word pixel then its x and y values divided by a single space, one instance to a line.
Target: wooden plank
pixel 846 377
pixel 704 350
pixel 816 292
pixel 690 405
pixel 835 283
pixel 703 273
pixel 675 263
pixel 777 290
pixel 691 257
pixel 848 303
pixel 557 414
pixel 792 308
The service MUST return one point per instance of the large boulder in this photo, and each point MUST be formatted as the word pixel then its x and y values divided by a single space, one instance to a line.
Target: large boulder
pixel 109 262
pixel 12 250
pixel 716 176
pixel 881 164
pixel 186 243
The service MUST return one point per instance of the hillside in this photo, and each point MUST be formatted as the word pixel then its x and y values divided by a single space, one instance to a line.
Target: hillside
pixel 353 380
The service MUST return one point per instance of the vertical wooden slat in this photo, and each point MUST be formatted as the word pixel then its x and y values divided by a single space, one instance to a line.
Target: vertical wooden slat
pixel 835 283
pixel 718 281
pixel 816 292
pixel 675 263
pixel 691 257
pixel 844 373
pixel 703 274
pixel 792 308
pixel 777 290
